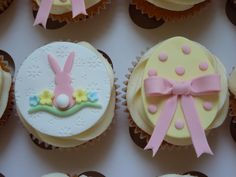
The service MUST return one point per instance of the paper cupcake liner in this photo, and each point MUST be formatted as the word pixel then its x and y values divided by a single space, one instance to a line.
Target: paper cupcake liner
pixel 139 136
pixel 230 10
pixel 232 115
pixel 7 64
pixel 46 146
pixel 195 173
pixel 4 4
pixel 159 13
pixel 67 17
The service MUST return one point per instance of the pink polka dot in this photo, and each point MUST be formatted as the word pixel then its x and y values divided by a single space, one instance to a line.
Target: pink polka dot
pixel 207 106
pixel 179 124
pixel 152 72
pixel 203 66
pixel 152 108
pixel 163 56
pixel 180 70
pixel 186 49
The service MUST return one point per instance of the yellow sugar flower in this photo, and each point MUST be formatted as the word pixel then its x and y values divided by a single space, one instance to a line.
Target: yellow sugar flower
pixel 46 97
pixel 80 96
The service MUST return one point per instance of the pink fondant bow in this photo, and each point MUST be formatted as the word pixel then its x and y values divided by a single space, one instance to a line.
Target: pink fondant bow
pixel 157 86
pixel 78 7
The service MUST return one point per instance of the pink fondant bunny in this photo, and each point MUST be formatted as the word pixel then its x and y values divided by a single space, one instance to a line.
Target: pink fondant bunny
pixel 64 91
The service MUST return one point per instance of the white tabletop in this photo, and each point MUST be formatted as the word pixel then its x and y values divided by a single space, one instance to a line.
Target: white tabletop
pixel 116 155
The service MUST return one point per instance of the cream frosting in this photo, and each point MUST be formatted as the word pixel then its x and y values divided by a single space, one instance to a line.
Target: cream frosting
pixel 232 82
pixel 91 131
pixel 136 105
pixel 61 7
pixel 175 5
pixel 176 175
pixel 55 175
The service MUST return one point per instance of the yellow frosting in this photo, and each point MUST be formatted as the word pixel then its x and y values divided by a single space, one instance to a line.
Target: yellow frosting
pixel 64 6
pixel 137 103
pixel 175 5
pixel 100 127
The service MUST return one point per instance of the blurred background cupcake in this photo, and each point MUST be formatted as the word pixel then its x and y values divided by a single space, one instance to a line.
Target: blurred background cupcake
pixel 230 9
pixel 85 174
pixel 65 94
pixel 188 174
pixel 7 69
pixel 176 94
pixel 153 13
pixel 4 4
pixel 57 13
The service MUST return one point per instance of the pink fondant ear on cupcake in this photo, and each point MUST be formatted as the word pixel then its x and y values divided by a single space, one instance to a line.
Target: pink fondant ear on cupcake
pixel 63 91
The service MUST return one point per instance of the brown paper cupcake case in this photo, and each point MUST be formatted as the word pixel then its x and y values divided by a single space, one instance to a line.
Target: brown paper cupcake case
pixel 4 5
pixel 139 137
pixel 67 17
pixel 159 13
pixel 46 146
pixel 8 65
pixel 232 115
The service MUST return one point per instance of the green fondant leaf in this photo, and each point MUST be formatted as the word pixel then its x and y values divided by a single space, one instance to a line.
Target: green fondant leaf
pixel 60 113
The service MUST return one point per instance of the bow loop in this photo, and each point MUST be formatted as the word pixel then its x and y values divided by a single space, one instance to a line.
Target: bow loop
pixel 78 7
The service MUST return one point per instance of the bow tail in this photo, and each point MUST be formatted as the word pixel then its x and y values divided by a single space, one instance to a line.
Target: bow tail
pixel 198 135
pixel 162 125
pixel 43 13
pixel 78 7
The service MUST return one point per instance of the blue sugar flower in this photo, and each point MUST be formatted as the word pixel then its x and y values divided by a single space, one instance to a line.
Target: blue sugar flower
pixel 93 96
pixel 34 101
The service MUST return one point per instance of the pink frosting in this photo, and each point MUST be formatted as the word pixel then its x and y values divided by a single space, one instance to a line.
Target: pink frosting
pixel 152 108
pixel 180 70
pixel 163 56
pixel 186 49
pixel 207 106
pixel 203 66
pixel 179 124
pixel 152 72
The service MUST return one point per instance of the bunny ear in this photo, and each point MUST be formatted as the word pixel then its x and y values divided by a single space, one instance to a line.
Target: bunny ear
pixel 53 63
pixel 69 63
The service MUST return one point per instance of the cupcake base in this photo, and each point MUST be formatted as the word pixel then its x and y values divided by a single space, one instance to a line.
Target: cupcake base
pixel 8 65
pixel 232 112
pixel 142 20
pixel 230 10
pixel 59 21
pixel 195 173
pixel 4 5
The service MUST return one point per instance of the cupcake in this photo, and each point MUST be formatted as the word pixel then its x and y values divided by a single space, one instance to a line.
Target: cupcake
pixel 57 13
pixel 4 4
pixel 85 174
pixel 232 113
pixel 153 13
pixel 6 74
pixel 188 174
pixel 230 10
pixel 65 95
pixel 176 94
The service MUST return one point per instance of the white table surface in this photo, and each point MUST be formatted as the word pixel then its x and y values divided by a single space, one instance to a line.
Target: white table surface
pixel 116 155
